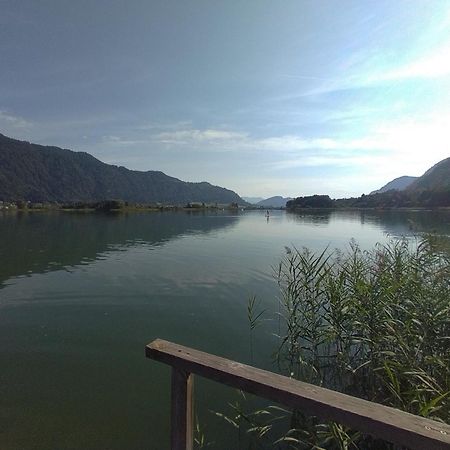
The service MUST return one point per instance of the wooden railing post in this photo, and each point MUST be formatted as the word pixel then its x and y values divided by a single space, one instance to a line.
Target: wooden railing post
pixel 381 421
pixel 182 424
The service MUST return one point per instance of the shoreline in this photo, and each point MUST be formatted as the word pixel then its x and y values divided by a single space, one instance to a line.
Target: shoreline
pixel 88 210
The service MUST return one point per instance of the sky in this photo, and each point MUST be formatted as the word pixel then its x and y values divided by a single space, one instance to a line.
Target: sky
pixel 265 98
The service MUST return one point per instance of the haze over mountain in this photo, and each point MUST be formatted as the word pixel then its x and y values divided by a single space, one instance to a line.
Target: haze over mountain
pixel 274 202
pixel 40 173
pixel 430 190
pixel 253 200
pixel 398 184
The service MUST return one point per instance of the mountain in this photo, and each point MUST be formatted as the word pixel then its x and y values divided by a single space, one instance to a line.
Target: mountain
pixel 398 184
pixel 274 202
pixel 253 200
pixel 40 173
pixel 435 179
pixel 431 190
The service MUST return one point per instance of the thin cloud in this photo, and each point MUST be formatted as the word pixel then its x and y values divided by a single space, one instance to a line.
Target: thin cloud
pixel 434 65
pixel 406 147
pixel 239 141
pixel 210 136
pixel 11 120
pixel 334 160
pixel 159 126
pixel 119 141
pixel 369 71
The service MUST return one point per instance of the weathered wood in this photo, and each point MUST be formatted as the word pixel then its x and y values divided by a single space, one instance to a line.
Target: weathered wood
pixel 182 425
pixel 372 418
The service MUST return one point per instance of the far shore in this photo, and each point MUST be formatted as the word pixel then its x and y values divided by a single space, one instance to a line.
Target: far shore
pixel 166 208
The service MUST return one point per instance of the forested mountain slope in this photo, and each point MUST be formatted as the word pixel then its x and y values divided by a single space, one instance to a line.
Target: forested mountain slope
pixel 39 173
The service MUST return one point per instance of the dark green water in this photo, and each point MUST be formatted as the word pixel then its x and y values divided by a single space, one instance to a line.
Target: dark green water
pixel 81 295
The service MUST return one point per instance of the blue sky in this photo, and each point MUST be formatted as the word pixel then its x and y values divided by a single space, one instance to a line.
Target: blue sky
pixel 266 98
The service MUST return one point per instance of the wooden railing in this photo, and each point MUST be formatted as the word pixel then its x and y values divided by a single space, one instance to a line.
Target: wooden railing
pixel 377 420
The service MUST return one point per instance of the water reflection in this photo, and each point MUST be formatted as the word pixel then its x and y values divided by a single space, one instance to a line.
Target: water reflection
pixel 392 222
pixel 409 222
pixel 42 242
pixel 314 217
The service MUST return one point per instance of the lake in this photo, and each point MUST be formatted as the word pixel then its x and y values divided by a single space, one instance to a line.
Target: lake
pixel 81 294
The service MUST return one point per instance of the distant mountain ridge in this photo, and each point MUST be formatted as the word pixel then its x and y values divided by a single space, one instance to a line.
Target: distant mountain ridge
pixel 436 178
pixel 253 200
pixel 431 190
pixel 41 173
pixel 398 184
pixel 274 202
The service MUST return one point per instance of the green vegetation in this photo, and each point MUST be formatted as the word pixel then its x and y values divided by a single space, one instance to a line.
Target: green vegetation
pixel 437 178
pixel 390 199
pixel 111 206
pixel 398 199
pixel 312 201
pixel 35 173
pixel 372 324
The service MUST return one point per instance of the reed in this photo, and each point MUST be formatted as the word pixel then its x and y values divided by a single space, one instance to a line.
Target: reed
pixel 372 324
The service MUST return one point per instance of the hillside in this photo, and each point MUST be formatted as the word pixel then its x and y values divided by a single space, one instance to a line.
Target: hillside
pixel 40 173
pixel 437 178
pixel 398 184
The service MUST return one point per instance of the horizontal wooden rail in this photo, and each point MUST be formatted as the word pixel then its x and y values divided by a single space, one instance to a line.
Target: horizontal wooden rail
pixel 377 420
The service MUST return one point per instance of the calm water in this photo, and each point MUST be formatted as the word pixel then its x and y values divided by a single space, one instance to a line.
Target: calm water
pixel 81 295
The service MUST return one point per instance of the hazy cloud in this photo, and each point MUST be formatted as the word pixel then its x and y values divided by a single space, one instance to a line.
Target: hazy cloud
pixel 284 100
pixel 8 120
